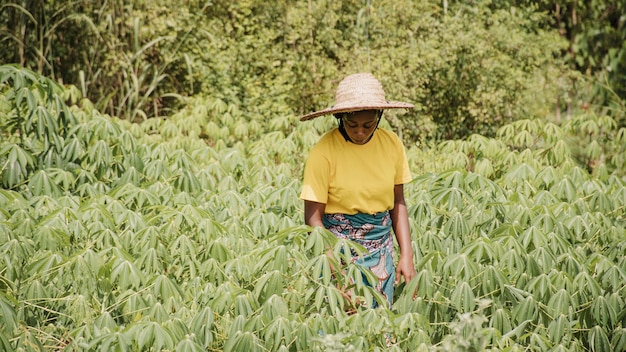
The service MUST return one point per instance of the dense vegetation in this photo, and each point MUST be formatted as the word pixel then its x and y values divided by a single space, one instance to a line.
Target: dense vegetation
pixel 470 67
pixel 153 204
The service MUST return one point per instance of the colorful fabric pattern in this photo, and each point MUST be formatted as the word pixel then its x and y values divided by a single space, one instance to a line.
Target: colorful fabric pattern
pixel 374 233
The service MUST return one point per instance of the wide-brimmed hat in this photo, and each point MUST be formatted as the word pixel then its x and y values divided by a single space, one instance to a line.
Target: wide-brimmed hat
pixel 360 91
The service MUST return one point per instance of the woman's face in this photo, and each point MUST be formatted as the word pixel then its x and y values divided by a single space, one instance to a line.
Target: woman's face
pixel 360 125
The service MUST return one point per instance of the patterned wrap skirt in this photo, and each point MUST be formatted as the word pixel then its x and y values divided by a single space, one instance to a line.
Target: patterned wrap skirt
pixel 374 233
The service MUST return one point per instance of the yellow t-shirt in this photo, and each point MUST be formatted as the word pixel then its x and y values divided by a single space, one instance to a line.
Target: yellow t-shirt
pixel 351 178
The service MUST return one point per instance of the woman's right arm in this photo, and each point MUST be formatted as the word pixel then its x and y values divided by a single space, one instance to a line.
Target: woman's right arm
pixel 313 212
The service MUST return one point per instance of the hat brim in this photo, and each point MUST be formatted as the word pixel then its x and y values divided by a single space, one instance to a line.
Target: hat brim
pixel 340 109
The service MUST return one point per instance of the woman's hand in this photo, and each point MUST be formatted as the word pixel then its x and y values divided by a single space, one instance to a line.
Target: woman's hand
pixel 405 269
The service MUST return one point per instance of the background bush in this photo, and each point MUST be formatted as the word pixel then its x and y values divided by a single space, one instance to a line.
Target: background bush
pixel 470 68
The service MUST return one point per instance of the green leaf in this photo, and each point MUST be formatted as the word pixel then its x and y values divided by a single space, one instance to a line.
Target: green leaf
pixel 188 345
pixel 604 313
pixel 501 321
pixel 202 325
pixel 9 315
pixel 463 298
pixel 560 328
pixel 243 341
pixel 598 339
pixel 5 345
pixel 271 283
pixel 41 183
pixel 527 310
pixel 560 303
pixel 126 274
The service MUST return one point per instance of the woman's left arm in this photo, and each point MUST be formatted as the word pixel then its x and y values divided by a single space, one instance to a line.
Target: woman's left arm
pixel 400 219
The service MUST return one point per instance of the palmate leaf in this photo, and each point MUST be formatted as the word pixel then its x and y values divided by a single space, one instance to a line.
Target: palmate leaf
pixel 570 264
pixel 457 226
pixel 543 258
pixel 241 267
pixel 9 321
pixel 274 307
pixel 319 241
pixel 80 309
pixel 587 285
pixel 519 174
pixel 271 283
pixel 501 321
pixel 463 298
pixel 604 313
pixel 560 303
pixel 150 261
pixel 189 345
pixel 560 329
pixel 213 271
pixel 126 275
pixel 23 224
pixel 538 341
pixel 330 296
pixel 44 263
pixel 618 341
pixel 158 313
pixel 183 247
pixel 263 223
pixel 541 287
pixel 481 249
pixel 274 258
pixel 430 241
pixel 50 238
pixel 223 297
pixel 164 288
pixel 187 181
pixel 449 197
pixel 493 281
pixel 83 268
pixel 42 183
pixel 525 311
pixel 17 165
pixel 613 278
pixel 151 335
pixel 243 341
pixel 320 268
pixel 201 325
pixel 598 339
pixel 220 251
pixel 460 266
pixel 278 332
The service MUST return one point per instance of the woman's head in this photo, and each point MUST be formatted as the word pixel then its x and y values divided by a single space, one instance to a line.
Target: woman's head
pixel 358 92
pixel 359 126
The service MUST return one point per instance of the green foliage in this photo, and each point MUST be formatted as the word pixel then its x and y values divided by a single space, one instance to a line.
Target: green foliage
pixel 468 68
pixel 181 234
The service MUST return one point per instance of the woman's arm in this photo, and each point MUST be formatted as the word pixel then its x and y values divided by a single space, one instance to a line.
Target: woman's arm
pixel 313 212
pixel 400 219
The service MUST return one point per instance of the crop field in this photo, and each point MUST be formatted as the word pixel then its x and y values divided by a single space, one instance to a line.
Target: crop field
pixel 186 234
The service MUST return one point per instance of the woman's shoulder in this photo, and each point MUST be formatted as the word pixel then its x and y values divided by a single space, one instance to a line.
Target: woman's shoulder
pixel 325 144
pixel 327 139
pixel 388 135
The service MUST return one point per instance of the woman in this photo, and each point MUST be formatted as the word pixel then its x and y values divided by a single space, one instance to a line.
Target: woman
pixel 354 177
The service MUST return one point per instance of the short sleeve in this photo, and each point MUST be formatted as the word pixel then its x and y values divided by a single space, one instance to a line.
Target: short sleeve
pixel 316 177
pixel 403 173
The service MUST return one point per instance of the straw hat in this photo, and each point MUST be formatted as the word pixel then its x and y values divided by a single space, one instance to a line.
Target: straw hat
pixel 360 91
